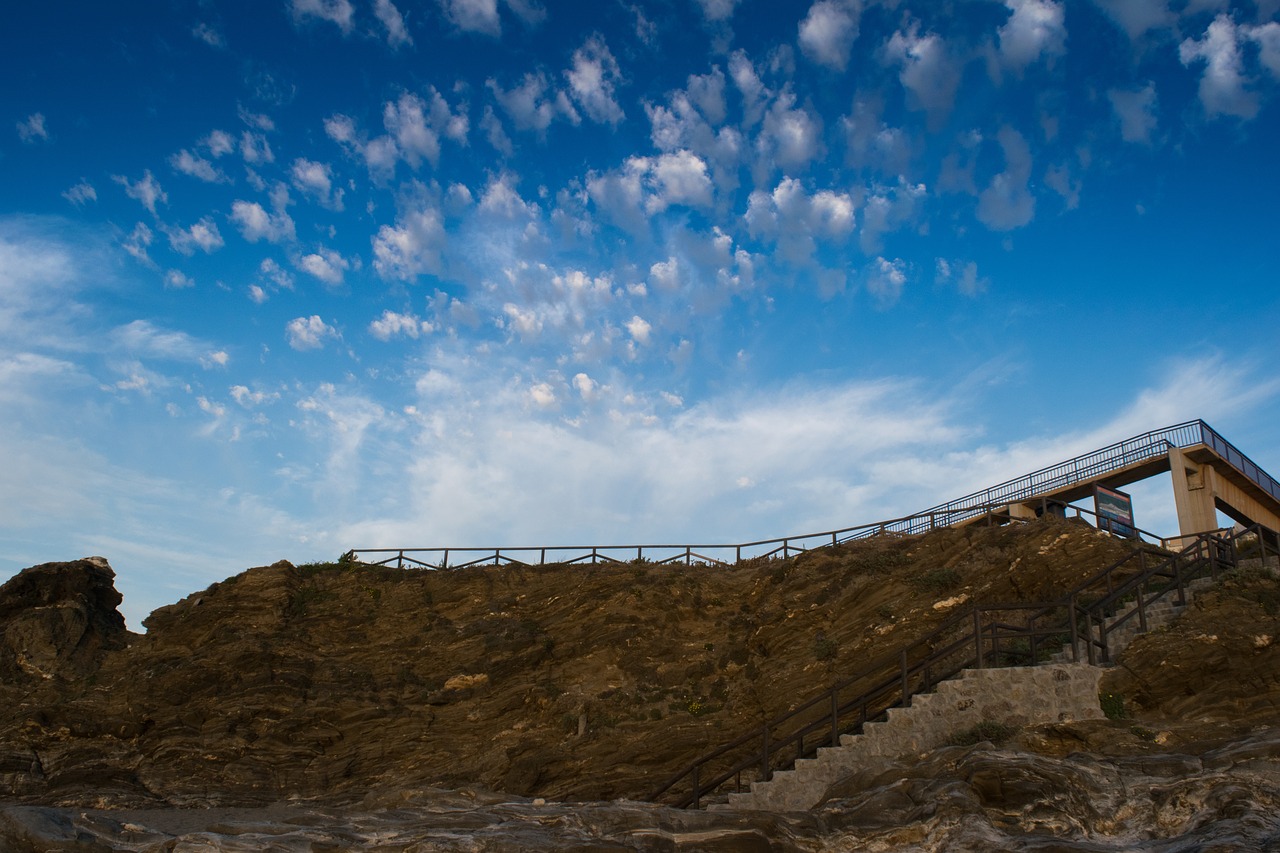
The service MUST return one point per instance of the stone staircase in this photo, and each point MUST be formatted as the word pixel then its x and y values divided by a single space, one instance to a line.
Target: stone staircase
pixel 1055 691
pixel 1159 614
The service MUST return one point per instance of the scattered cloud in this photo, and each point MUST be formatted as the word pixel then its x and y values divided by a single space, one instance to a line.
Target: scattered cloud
pixel 203 235
pixel 927 70
pixel 593 79
pixel 337 12
pixel 393 22
pixel 325 264
pixel 828 31
pixel 1136 111
pixel 1036 29
pixel 81 194
pixel 718 10
pixel 308 333
pixel 1007 202
pixel 1223 89
pixel 196 166
pixel 391 325
pixel 146 190
pixel 32 129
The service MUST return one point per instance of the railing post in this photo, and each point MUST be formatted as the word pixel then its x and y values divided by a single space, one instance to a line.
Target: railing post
pixel 697 793
pixel 688 556
pixel 400 560
pixel 593 556
pixel 1075 631
pixel 977 638
pixel 444 561
pixel 739 553
pixel 542 557
pixel 765 773
pixel 835 718
pixel 906 687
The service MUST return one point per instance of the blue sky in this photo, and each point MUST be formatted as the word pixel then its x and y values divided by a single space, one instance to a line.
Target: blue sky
pixel 284 278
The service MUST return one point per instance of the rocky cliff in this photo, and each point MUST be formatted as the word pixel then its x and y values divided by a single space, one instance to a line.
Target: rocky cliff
pixel 362 696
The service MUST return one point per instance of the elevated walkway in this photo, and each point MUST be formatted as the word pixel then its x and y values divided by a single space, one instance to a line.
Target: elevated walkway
pixel 1209 474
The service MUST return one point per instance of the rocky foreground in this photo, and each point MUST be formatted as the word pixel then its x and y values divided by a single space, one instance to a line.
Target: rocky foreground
pixel 331 707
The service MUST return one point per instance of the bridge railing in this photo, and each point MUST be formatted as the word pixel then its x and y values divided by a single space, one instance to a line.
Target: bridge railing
pixel 705 554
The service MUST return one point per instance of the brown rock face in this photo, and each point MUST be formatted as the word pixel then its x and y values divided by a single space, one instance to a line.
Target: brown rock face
pixel 59 620
pixel 565 682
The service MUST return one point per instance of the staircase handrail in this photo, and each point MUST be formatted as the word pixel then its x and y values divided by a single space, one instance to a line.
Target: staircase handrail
pixel 1215 550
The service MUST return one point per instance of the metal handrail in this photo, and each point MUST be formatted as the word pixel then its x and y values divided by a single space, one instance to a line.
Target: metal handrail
pixel 1081 469
pixel 1086 617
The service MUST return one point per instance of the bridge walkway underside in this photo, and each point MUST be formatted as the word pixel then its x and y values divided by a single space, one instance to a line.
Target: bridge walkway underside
pixel 1203 482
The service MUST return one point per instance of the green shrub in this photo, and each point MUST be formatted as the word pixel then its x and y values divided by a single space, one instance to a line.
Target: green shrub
pixel 937 580
pixel 824 649
pixel 987 730
pixel 1113 706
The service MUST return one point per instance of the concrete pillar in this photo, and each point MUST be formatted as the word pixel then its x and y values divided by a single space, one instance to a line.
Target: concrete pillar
pixel 1193 493
pixel 1021 511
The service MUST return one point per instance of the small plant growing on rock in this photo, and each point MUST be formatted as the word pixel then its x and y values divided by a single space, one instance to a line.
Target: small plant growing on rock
pixel 1113 706
pixel 824 648
pixel 987 730
pixel 938 580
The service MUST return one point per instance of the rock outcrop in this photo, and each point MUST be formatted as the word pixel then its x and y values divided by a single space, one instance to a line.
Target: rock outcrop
pixel 334 706
pixel 58 620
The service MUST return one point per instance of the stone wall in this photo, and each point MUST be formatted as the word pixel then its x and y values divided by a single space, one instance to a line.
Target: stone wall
pixel 1014 696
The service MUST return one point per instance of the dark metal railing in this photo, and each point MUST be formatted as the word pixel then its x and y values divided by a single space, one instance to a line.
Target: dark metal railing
pixel 986 635
pixel 988 502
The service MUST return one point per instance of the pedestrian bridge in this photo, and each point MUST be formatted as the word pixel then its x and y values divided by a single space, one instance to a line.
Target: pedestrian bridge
pixel 1208 474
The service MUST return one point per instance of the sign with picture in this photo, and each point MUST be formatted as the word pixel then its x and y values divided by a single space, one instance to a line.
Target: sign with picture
pixel 1115 511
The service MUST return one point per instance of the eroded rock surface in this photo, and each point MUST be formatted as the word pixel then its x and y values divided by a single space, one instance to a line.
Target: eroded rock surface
pixel 334 707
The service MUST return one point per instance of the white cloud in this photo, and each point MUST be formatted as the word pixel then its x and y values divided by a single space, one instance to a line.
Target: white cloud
pixel 532 105
pixel 81 193
pixel 304 333
pixel 411 247
pixel 1267 37
pixel 337 12
pixel 501 198
pixel 928 70
pixel 203 235
pixel 1007 202
pixel 639 329
pixel 325 264
pixel 249 398
pixel 476 16
pixel 1136 110
pixel 393 21
pixel 1223 84
pixel 391 324
pixel 718 10
pixel 1035 29
pixel 414 127
pixel 679 178
pixel 208 35
pixel 144 339
pixel 137 242
pixel 255 149
pixel 665 275
pixel 543 395
pixel 32 129
pixel 791 136
pixel 885 281
pixel 586 387
pixel 196 166
pixel 256 223
pixel 316 180
pixel 793 218
pixel 146 190
pixel 828 31
pixel 1136 17
pixel 592 81
pixel 219 143
pixel 177 280
pixel 966 280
